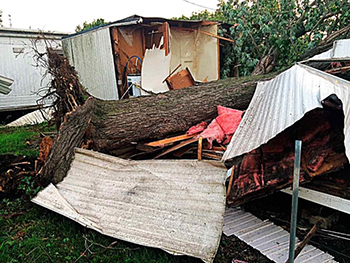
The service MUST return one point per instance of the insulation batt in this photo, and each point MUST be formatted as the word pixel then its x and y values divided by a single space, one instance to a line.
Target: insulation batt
pixel 270 166
pixel 221 128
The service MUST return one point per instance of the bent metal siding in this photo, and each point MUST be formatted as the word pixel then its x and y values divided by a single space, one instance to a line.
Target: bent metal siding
pixel 16 62
pixel 175 205
pixel 92 56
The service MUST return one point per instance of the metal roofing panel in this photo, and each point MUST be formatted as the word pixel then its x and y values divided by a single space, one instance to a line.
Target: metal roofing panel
pixel 92 56
pixel 5 84
pixel 35 117
pixel 339 51
pixel 271 240
pixel 280 102
pixel 175 205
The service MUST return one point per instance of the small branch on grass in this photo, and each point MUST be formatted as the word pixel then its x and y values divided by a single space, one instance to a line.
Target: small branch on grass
pixel 48 256
pixel 89 243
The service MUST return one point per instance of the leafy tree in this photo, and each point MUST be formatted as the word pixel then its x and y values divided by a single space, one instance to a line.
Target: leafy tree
pixel 275 33
pixel 86 26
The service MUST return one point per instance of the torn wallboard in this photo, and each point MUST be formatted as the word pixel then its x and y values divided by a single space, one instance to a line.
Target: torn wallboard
pixel 177 206
pixel 271 240
pixel 155 68
pixel 279 103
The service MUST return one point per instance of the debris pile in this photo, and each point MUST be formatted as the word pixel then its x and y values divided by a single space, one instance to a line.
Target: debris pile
pixel 13 169
pixel 210 121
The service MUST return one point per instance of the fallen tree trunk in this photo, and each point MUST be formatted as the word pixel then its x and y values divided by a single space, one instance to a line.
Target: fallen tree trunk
pixel 112 125
pixel 118 124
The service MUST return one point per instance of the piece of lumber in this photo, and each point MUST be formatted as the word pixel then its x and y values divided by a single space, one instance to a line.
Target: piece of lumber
pixel 216 36
pixel 200 144
pixel 230 182
pixel 176 147
pixel 170 140
pixel 180 152
pixel 331 201
pixel 212 156
pixel 338 70
pixel 306 240
pixel 171 73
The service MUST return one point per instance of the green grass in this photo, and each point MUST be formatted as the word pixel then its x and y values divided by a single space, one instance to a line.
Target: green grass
pixel 40 235
pixel 23 140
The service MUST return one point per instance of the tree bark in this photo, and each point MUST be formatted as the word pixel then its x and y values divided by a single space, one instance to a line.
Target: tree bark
pixel 70 135
pixel 109 126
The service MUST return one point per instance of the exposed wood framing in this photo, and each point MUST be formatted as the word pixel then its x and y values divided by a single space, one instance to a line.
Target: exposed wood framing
pixel 166 37
pixel 170 140
pixel 331 201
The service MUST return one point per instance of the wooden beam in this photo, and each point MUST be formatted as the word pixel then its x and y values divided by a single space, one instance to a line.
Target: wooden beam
pixel 209 34
pixel 176 147
pixel 337 70
pixel 331 201
pixel 216 36
pixel 163 142
pixel 200 144
pixel 166 38
pixel 306 240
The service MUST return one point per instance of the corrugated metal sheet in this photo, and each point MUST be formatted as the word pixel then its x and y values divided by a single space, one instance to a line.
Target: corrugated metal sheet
pixel 271 240
pixel 339 51
pixel 17 62
pixel 5 84
pixel 35 117
pixel 280 102
pixel 175 205
pixel 92 56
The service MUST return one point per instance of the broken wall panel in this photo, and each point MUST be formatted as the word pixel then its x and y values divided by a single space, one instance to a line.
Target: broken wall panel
pixel 130 44
pixel 175 205
pixel 195 50
pixel 155 69
pixel 91 55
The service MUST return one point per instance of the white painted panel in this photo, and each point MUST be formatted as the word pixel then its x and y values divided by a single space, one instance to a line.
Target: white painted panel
pixel 324 199
pixel 195 50
pixel 155 69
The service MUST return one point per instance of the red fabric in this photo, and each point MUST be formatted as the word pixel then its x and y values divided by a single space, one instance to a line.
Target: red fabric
pixel 197 128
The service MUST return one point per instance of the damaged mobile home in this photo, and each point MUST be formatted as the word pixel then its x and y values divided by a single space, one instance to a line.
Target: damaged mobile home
pixel 142 51
pixel 308 102
pixel 17 64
